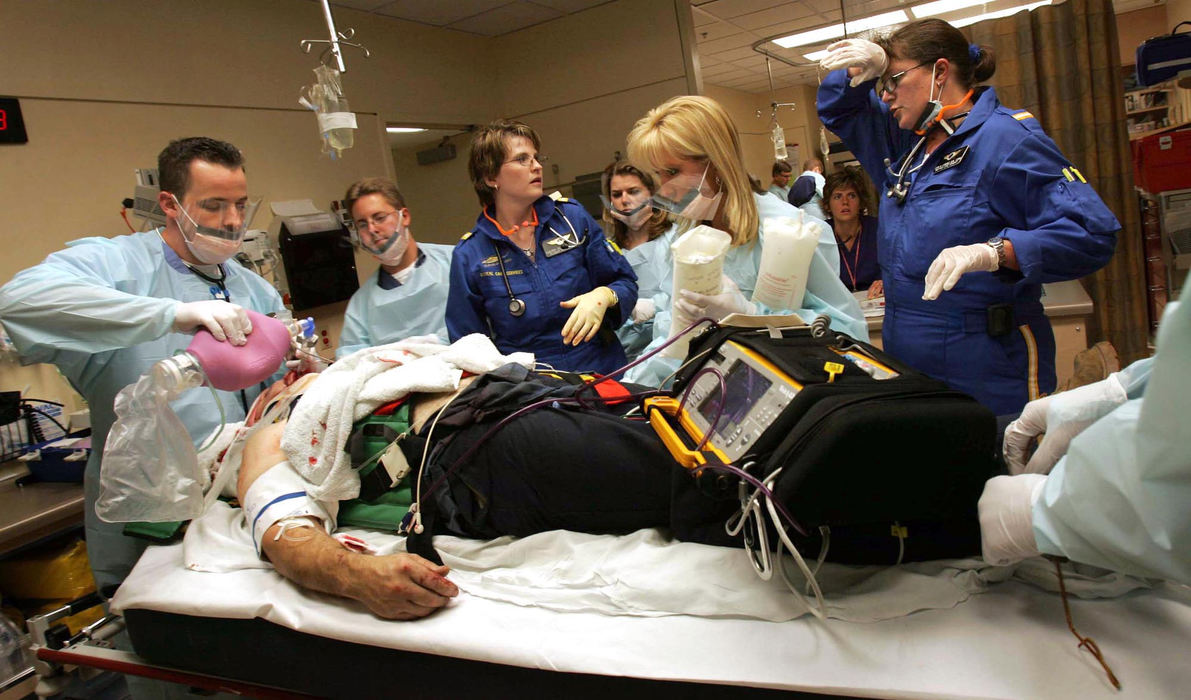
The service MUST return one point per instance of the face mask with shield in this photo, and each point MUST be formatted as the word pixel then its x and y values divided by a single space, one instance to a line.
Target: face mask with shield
pixel 683 196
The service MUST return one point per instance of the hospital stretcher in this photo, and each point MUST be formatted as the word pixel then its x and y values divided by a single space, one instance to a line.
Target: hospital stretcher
pixel 1008 642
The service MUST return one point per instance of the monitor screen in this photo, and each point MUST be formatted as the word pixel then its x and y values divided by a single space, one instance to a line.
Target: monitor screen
pixel 744 386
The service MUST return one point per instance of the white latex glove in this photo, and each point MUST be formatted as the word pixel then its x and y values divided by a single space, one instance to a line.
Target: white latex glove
pixel 856 53
pixel 1061 417
pixel 1007 518
pixel 588 314
pixel 225 320
pixel 955 262
pixel 643 311
pixel 717 306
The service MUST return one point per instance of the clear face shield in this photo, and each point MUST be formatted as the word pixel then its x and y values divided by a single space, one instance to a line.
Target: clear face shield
pixel 631 209
pixel 684 195
pixel 214 228
pixel 382 235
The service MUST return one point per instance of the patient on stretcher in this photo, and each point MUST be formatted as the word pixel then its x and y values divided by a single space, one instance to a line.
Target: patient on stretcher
pixel 536 473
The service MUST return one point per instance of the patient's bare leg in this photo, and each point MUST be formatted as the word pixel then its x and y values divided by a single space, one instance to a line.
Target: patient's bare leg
pixel 396 586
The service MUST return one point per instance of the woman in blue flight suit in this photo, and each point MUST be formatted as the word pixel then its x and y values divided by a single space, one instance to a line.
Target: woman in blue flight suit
pixel 536 274
pixel 979 203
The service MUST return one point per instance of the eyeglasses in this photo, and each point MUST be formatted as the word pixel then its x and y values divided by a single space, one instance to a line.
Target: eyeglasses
pixel 375 220
pixel 524 159
pixel 889 85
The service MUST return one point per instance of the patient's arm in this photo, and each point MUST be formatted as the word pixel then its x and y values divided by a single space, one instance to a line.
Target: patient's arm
pixel 395 586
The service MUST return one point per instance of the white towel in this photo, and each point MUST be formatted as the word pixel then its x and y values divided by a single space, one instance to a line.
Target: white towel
pixel 356 385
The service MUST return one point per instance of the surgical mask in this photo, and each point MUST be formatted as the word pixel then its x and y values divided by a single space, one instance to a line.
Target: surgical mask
pixel 362 235
pixel 933 108
pixel 634 218
pixel 394 249
pixel 690 204
pixel 213 246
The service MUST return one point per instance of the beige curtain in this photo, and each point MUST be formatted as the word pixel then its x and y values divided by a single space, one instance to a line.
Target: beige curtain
pixel 1062 64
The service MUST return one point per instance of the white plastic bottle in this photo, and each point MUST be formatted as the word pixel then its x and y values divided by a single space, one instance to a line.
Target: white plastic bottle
pixel 699 267
pixel 790 243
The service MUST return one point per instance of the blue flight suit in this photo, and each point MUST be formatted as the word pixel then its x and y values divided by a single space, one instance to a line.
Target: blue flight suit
pixel 999 174
pixel 566 264
pixel 102 310
pixel 384 310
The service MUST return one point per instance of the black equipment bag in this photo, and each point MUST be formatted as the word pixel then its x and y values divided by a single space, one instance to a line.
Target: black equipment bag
pixel 1163 57
pixel 891 468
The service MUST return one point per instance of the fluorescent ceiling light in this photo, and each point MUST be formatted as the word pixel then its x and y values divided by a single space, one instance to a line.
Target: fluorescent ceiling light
pixel 403 129
pixel 999 13
pixel 818 36
pixel 942 6
pixel 815 56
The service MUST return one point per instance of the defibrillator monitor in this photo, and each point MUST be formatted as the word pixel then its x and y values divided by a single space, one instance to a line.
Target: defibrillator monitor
pixel 754 394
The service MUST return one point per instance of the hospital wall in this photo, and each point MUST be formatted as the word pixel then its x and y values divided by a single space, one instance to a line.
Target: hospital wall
pixel 800 124
pixel 580 81
pixel 105 85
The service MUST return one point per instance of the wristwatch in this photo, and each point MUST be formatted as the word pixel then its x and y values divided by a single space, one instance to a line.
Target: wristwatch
pixel 998 244
pixel 615 299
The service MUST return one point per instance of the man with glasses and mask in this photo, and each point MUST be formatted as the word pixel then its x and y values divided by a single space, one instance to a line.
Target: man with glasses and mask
pixel 408 294
pixel 104 310
pixel 980 208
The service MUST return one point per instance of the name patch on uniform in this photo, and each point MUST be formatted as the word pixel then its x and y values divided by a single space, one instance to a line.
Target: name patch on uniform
pixel 952 159
pixel 561 244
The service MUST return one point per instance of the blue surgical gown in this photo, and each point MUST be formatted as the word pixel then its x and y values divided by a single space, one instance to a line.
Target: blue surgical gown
pixel 650 263
pixel 572 257
pixel 418 306
pixel 998 175
pixel 825 293
pixel 1121 496
pixel 102 310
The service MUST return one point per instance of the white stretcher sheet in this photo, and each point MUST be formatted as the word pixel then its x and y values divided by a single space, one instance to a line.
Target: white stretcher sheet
pixel 1010 641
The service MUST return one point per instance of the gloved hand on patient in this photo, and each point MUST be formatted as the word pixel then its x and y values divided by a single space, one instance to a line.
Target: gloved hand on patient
pixel 1060 417
pixel 1006 518
pixel 729 301
pixel 588 314
pixel 225 321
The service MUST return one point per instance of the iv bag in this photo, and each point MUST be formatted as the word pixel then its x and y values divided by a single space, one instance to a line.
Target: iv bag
pixel 336 121
pixel 698 266
pixel 779 143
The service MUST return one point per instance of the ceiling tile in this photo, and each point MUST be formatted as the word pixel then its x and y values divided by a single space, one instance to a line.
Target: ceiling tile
pixel 716 30
pixel 568 6
pixel 506 18
pixel 735 41
pixel 785 15
pixel 728 9
pixel 435 12
pixel 733 55
pixel 366 5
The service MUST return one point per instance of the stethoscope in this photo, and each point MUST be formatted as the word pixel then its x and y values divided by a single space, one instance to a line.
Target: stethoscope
pixel 571 240
pixel 218 284
pixel 517 306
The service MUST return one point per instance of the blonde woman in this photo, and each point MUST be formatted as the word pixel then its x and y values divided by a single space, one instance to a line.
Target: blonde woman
pixel 692 147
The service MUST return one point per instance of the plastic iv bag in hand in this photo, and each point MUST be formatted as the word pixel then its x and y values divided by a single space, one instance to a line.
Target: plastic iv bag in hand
pixel 150 470
pixel 335 120
pixel 779 143
pixel 790 243
pixel 698 266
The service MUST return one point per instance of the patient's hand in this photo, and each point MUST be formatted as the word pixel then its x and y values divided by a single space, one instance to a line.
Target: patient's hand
pixel 399 586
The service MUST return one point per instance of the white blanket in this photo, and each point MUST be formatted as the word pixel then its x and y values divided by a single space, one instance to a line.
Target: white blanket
pixel 644 574
pixel 1009 642
pixel 356 385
